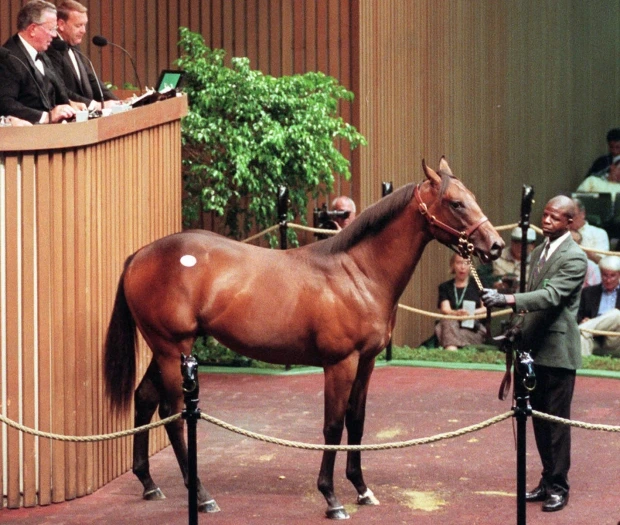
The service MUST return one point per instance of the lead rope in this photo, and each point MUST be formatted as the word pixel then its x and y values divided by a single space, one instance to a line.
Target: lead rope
pixel 466 249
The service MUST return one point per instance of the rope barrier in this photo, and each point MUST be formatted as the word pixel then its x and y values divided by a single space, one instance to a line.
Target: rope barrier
pixel 578 424
pixel 313 230
pixel 497 313
pixel 260 234
pixel 600 332
pixel 87 439
pixel 357 448
pixel 308 446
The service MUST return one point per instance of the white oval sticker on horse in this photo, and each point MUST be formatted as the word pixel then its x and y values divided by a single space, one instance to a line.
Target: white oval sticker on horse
pixel 188 260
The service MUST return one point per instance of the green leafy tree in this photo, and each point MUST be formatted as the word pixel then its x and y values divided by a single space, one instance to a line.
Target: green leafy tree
pixel 246 133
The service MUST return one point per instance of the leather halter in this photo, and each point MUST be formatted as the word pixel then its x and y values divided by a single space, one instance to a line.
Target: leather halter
pixel 465 247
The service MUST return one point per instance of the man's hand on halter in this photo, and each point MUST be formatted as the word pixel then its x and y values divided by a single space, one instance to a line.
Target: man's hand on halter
pixel 491 297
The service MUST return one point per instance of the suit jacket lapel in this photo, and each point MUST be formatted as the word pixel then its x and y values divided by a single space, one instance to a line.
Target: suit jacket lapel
pixel 28 59
pixel 83 78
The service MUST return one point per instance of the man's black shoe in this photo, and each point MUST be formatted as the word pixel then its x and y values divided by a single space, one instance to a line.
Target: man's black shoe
pixel 538 494
pixel 555 502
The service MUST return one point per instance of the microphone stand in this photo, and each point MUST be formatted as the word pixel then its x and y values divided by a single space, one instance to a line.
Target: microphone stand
pixel 101 41
pixel 522 407
pixel 135 69
pixel 94 73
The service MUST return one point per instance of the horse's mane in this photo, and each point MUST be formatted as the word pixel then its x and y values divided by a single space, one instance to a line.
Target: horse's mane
pixel 371 221
pixel 374 218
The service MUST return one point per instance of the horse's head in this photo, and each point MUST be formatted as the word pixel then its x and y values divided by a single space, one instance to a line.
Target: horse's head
pixel 454 216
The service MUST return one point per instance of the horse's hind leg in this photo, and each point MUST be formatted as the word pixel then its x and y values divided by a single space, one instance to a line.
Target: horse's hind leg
pixel 172 403
pixel 146 400
pixel 356 413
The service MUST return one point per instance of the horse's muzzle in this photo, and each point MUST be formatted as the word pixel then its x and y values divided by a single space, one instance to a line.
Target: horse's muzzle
pixel 492 254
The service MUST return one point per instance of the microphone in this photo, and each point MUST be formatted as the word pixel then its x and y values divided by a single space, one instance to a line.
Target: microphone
pixel 101 41
pixel 61 45
pixel 5 54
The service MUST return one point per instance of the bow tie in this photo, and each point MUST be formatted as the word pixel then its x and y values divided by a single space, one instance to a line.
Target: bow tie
pixel 38 56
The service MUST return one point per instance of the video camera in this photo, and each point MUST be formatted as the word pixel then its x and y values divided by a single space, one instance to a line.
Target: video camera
pixel 324 219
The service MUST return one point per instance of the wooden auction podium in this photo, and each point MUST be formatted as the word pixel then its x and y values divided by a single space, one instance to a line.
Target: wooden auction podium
pixel 75 201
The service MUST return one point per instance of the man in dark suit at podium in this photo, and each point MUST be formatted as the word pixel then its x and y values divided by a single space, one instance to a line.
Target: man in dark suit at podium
pixel 29 86
pixel 73 67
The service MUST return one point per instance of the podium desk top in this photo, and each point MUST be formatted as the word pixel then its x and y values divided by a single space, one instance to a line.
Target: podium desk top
pixel 78 134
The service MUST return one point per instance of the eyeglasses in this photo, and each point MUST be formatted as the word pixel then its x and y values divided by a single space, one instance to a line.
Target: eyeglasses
pixel 51 31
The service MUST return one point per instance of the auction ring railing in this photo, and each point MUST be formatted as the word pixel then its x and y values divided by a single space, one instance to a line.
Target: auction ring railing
pixel 306 446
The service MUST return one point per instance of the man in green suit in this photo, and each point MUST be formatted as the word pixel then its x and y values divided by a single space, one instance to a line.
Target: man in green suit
pixel 550 332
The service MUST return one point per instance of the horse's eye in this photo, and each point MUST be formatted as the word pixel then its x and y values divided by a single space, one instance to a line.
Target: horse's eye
pixel 456 204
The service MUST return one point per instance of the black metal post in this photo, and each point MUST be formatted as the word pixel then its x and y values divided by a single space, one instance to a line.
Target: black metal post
pixel 521 412
pixel 521 395
pixel 282 215
pixel 282 221
pixel 527 197
pixel 386 189
pixel 191 414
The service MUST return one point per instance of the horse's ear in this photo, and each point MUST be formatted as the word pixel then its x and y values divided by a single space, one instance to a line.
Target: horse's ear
pixel 444 168
pixel 431 174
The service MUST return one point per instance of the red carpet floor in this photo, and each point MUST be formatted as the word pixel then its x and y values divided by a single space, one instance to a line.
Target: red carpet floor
pixel 465 480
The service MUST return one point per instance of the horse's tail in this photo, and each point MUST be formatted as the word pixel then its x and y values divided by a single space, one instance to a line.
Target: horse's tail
pixel 119 362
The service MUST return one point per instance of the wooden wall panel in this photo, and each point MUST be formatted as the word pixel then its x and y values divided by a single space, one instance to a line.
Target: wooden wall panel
pixel 68 219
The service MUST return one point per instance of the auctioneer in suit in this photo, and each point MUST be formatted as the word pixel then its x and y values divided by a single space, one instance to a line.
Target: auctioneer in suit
pixel 21 84
pixel 86 87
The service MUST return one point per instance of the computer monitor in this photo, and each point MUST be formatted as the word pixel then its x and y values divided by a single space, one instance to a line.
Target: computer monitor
pixel 169 79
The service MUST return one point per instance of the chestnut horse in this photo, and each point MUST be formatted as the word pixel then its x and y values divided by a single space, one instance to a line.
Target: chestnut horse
pixel 330 304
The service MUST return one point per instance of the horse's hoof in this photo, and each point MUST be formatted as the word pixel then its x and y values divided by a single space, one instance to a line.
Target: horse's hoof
pixel 154 495
pixel 368 498
pixel 208 506
pixel 337 513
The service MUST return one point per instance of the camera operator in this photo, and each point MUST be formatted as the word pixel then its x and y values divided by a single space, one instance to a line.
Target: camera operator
pixel 343 204
pixel 339 217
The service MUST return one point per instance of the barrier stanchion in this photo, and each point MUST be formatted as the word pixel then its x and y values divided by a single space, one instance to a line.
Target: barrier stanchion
pixel 191 414
pixel 386 189
pixel 521 412
pixel 282 215
pixel 521 390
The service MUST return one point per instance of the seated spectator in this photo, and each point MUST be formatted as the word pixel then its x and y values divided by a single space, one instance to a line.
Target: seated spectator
pixel 455 296
pixel 344 203
pixel 29 86
pixel 599 310
pixel 593 272
pixel 591 236
pixel 507 269
pixel 608 182
pixel 601 165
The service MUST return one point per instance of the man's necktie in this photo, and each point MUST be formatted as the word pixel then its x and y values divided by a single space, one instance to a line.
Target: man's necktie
pixel 38 61
pixel 541 262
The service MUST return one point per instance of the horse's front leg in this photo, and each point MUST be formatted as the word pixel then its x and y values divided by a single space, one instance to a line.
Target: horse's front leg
pixel 356 413
pixel 338 383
